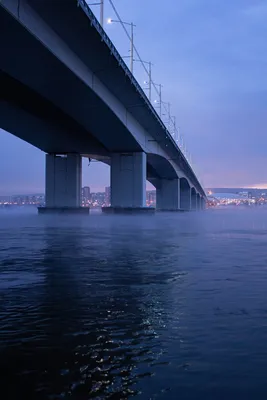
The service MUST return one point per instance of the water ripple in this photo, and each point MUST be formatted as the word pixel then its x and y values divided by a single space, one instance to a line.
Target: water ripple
pixel 114 308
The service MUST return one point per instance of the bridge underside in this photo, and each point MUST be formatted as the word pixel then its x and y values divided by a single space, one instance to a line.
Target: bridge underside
pixel 53 108
pixel 31 117
pixel 30 108
pixel 55 96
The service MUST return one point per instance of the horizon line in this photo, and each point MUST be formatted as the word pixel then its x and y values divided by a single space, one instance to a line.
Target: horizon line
pixel 147 190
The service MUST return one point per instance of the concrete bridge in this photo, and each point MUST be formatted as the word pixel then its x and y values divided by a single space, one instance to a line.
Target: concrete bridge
pixel 66 90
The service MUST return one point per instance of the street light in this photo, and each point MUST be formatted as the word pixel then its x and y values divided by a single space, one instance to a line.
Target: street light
pixel 101 4
pixel 160 98
pixel 110 21
pixel 173 118
pixel 176 131
pixel 149 76
pixel 169 112
pixel 183 146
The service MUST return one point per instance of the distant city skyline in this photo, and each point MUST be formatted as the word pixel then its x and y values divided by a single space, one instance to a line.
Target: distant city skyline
pixel 214 75
pixel 149 188
pixel 88 199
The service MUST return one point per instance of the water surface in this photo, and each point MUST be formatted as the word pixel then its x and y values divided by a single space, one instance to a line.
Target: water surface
pixel 158 307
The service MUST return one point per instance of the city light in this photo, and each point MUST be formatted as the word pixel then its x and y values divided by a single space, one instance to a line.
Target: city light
pixel 243 198
pixel 102 199
pixel 88 199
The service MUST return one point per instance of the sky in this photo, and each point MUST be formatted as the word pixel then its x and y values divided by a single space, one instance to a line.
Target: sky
pixel 211 58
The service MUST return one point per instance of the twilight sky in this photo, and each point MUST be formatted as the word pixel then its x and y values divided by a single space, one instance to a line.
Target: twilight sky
pixel 211 58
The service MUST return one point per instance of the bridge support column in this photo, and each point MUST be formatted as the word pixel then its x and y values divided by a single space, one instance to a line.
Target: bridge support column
pixel 168 195
pixel 203 203
pixel 185 195
pixel 128 183
pixel 193 199
pixel 198 202
pixel 63 184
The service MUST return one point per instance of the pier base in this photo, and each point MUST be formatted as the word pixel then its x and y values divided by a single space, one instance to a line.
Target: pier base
pixel 64 210
pixel 169 210
pixel 128 210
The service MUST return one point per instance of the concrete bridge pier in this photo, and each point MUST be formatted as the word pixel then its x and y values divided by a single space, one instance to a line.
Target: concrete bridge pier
pixel 185 195
pixel 168 195
pixel 128 183
pixel 203 203
pixel 198 202
pixel 63 184
pixel 194 201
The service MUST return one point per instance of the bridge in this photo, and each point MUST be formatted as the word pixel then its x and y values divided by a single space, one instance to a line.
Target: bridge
pixel 66 90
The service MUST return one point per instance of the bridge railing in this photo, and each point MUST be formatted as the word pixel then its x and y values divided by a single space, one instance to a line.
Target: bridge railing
pixel 105 38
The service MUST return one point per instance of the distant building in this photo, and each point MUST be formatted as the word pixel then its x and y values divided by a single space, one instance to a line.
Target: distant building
pixel 86 195
pixel 243 194
pixel 97 199
pixel 5 199
pixel 151 198
pixel 241 198
pixel 107 196
pixel 22 200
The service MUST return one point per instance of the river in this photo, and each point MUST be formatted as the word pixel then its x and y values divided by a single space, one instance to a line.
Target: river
pixel 171 306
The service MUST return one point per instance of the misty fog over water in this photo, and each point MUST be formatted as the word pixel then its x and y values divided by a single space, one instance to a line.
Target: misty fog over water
pixel 165 306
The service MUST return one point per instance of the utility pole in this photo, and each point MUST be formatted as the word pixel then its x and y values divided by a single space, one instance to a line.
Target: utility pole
pixel 160 100
pixel 132 48
pixel 149 81
pixel 102 13
pixel 174 127
pixel 169 115
pixel 132 25
pixel 101 4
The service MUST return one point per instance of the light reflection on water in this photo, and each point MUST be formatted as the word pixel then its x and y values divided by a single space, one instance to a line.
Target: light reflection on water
pixel 108 307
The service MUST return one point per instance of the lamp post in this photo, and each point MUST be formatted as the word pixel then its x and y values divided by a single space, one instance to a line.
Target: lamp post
pixel 101 4
pixel 160 98
pixel 176 131
pixel 149 63
pixel 149 80
pixel 102 13
pixel 182 143
pixel 169 113
pixel 110 21
pixel 174 126
pixel 178 135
